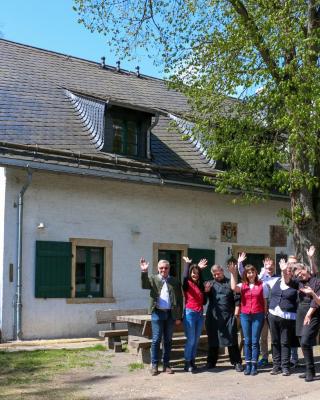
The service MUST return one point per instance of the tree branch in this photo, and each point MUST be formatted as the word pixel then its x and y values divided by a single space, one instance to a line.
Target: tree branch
pixel 257 38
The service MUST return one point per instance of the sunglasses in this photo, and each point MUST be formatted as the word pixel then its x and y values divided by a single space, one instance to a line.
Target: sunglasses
pixel 163 267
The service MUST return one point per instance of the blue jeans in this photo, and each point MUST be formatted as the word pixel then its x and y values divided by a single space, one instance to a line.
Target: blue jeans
pixel 162 326
pixel 294 354
pixel 193 323
pixel 252 325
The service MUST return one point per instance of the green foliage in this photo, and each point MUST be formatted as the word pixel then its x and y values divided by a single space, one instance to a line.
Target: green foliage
pixel 264 53
pixel 97 347
pixel 125 347
pixel 286 219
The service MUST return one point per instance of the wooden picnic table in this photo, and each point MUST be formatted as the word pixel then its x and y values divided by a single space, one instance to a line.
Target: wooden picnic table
pixel 140 334
pixel 138 325
pixel 134 319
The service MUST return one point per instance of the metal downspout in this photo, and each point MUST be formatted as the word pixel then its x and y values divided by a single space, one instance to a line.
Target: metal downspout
pixel 18 330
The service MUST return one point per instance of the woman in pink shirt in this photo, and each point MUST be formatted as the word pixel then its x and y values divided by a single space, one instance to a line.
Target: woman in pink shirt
pixel 253 311
pixel 193 314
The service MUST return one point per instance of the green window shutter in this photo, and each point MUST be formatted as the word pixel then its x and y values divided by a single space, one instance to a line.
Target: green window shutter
pixel 53 269
pixel 197 254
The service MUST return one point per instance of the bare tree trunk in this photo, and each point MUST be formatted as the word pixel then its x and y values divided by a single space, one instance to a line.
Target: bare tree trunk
pixel 304 237
pixel 306 225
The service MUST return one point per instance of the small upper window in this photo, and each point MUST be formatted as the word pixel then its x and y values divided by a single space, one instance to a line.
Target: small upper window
pixel 126 132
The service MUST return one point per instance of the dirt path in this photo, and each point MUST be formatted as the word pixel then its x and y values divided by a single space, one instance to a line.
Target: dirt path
pixel 224 383
pixel 110 378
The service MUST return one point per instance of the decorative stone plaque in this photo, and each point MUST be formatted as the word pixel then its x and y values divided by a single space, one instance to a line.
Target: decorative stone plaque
pixel 278 236
pixel 229 232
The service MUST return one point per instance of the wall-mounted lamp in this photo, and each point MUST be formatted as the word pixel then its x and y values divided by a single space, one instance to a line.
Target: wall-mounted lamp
pixel 135 230
pixel 213 236
pixel 41 226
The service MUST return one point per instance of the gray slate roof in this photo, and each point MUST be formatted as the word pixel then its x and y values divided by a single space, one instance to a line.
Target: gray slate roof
pixel 37 107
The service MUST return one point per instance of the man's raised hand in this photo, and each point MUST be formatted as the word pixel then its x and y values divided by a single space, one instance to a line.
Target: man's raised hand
pixel 144 265
pixel 207 286
pixel 307 290
pixel 232 268
pixel 283 264
pixel 311 251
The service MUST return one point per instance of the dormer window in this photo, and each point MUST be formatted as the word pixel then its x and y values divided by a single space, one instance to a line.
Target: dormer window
pixel 113 128
pixel 126 132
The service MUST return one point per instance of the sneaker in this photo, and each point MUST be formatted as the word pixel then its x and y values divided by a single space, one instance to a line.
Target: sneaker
pixel 308 376
pixel 188 367
pixel 254 370
pixel 285 372
pixel 238 367
pixel 154 370
pixel 275 371
pixel 294 364
pixel 193 364
pixel 247 370
pixel 262 362
pixel 210 365
pixel 168 370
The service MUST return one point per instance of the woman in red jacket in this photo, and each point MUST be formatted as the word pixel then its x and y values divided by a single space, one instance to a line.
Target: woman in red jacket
pixel 253 311
pixel 193 314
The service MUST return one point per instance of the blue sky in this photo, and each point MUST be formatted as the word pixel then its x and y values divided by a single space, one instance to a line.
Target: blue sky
pixel 52 25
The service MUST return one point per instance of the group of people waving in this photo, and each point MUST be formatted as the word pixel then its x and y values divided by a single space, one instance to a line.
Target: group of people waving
pixel 286 305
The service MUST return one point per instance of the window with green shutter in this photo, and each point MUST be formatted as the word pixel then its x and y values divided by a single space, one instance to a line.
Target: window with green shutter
pixel 53 269
pixel 197 254
pixel 80 268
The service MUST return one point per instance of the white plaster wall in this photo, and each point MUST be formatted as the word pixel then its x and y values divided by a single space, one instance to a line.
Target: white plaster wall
pixel 2 203
pixel 100 209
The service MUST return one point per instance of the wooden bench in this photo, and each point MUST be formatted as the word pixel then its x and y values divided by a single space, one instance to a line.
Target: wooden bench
pixel 114 335
pixel 142 345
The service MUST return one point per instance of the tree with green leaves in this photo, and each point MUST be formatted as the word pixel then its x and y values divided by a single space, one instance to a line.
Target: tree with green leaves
pixel 264 53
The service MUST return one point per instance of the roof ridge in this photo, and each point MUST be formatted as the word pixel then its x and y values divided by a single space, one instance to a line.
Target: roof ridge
pixel 68 56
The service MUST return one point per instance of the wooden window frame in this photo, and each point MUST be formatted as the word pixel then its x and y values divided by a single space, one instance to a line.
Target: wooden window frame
pixel 107 245
pixel 125 135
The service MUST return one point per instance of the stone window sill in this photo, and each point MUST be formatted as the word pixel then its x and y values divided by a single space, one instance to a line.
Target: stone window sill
pixel 88 300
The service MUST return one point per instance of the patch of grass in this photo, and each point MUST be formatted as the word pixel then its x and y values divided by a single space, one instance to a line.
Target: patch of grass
pixel 125 347
pixel 23 367
pixel 135 366
pixel 97 347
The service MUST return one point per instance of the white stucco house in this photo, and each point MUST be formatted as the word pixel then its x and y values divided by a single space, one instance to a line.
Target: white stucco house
pixel 91 179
